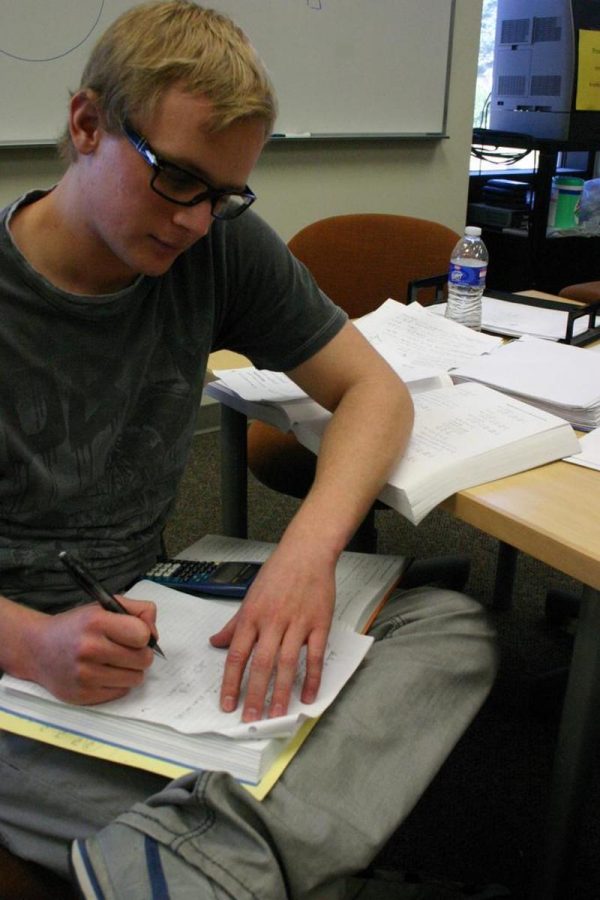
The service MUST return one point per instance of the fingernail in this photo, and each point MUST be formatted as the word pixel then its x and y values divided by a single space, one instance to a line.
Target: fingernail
pixel 250 715
pixel 275 711
pixel 228 704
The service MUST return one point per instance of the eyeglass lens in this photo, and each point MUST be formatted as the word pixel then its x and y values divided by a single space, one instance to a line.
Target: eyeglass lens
pixel 174 184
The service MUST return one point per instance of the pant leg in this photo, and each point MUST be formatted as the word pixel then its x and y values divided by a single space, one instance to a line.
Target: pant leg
pixel 49 795
pixel 355 779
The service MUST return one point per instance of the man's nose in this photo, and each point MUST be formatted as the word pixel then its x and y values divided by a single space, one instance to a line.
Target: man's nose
pixel 196 219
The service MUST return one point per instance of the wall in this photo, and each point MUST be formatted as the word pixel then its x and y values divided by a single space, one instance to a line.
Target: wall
pixel 298 183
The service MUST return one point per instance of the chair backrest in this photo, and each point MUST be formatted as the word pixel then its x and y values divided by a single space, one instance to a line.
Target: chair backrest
pixel 362 259
pixel 585 291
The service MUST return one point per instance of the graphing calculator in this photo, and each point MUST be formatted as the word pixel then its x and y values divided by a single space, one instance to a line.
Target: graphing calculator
pixel 215 579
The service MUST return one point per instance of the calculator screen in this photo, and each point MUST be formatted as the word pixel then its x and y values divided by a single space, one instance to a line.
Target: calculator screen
pixel 232 572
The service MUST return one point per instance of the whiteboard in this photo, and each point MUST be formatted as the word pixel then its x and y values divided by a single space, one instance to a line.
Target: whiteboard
pixel 341 68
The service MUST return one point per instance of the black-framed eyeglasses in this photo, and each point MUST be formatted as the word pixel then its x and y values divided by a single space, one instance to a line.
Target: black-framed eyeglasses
pixel 184 188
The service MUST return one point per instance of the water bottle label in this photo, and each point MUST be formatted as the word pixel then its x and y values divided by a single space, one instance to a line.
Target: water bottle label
pixel 472 276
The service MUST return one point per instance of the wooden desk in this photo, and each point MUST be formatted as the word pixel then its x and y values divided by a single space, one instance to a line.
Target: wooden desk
pixel 549 513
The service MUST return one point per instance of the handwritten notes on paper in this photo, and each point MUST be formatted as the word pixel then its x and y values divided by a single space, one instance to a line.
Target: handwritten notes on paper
pixel 419 347
pixel 411 335
pixel 259 385
pixel 182 692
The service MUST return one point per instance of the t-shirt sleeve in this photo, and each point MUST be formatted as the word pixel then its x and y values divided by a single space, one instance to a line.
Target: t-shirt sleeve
pixel 271 309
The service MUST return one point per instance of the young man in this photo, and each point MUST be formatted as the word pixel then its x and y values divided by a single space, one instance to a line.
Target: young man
pixel 115 286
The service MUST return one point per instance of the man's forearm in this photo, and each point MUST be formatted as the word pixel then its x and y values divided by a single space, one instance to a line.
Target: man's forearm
pixel 365 437
pixel 290 604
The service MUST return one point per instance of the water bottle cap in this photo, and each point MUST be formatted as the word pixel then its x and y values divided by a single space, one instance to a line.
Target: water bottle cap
pixel 473 230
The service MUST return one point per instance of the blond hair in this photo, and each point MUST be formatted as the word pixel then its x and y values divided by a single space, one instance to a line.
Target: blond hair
pixel 155 45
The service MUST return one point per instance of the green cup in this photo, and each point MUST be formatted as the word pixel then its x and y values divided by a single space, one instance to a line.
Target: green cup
pixel 566 191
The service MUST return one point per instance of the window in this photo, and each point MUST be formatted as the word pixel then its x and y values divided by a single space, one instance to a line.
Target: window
pixel 486 61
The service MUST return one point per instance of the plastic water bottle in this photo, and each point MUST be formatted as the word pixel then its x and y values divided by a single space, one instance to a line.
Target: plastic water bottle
pixel 466 279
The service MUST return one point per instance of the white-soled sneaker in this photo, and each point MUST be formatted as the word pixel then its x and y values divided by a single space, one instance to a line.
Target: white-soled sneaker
pixel 82 872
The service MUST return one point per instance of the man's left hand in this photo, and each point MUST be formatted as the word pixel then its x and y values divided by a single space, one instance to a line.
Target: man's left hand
pixel 289 605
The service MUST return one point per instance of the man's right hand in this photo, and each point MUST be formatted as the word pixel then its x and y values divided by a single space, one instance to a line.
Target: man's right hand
pixel 85 655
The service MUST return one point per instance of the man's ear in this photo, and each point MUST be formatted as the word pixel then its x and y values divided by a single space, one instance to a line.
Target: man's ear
pixel 85 121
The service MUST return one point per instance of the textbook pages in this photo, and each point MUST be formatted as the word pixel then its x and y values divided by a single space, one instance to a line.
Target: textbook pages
pixel 463 436
pixel 174 716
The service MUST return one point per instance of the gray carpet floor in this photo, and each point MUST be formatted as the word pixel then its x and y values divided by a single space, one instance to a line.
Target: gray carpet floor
pixel 481 818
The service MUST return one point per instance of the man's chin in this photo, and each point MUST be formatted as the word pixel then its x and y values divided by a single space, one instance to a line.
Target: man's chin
pixel 154 266
pixel 161 258
pixel 155 269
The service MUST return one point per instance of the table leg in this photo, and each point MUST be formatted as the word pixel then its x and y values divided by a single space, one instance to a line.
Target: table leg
pixel 505 576
pixel 234 472
pixel 576 753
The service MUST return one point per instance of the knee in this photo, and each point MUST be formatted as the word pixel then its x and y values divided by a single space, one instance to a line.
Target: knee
pixel 441 602
pixel 452 625
pixel 471 635
pixel 428 603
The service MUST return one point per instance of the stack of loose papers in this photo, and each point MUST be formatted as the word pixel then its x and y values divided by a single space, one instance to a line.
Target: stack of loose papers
pixel 559 378
pixel 261 394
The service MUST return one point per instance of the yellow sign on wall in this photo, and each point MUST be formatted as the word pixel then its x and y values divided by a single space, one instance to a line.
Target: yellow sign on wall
pixel 588 73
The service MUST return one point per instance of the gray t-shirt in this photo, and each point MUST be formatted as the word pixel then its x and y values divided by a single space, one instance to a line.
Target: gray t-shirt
pixel 99 395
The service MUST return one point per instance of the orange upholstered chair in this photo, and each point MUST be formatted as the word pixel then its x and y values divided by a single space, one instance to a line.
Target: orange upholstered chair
pixel 359 261
pixel 585 292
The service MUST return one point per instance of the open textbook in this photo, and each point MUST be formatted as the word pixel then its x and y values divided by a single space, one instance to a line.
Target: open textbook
pixel 463 435
pixel 174 719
